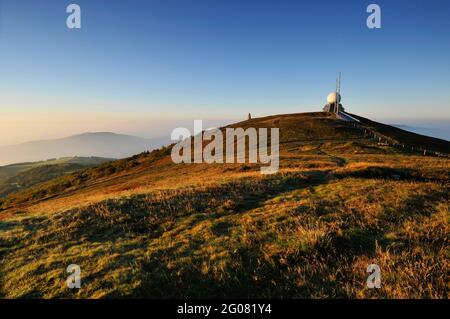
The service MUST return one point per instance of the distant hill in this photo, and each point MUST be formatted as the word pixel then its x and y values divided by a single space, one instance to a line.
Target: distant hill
pixel 100 144
pixel 16 177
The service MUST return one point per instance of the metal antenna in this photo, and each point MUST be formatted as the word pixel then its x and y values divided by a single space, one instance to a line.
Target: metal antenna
pixel 336 95
pixel 338 92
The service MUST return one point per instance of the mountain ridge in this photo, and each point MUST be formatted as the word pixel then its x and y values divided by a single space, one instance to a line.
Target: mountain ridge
pixel 97 144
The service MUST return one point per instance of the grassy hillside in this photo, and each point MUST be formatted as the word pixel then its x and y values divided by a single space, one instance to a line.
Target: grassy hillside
pixel 17 177
pixel 145 227
pixel 407 138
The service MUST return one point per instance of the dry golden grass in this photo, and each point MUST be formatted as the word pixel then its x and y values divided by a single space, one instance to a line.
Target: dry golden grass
pixel 155 229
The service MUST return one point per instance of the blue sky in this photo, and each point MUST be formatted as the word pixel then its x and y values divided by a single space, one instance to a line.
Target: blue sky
pixel 146 61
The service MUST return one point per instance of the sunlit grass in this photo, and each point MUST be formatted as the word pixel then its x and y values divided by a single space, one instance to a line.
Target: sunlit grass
pixel 155 229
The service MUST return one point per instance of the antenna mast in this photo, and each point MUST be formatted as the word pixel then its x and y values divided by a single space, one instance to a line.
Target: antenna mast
pixel 338 92
pixel 336 103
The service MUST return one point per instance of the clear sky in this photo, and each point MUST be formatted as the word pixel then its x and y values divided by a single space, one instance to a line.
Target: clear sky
pixel 136 64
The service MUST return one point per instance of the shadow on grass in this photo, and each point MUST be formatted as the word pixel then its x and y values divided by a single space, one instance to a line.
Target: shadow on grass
pixel 245 277
pixel 402 174
pixel 145 214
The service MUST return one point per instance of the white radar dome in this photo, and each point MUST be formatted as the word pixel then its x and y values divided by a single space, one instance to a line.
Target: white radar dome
pixel 333 97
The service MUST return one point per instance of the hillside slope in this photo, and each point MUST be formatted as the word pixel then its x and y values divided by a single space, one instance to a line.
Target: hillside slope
pixel 17 177
pixel 408 138
pixel 146 227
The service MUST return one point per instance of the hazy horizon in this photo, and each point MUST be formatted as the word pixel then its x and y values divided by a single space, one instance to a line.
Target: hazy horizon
pixel 438 128
pixel 143 70
pixel 56 129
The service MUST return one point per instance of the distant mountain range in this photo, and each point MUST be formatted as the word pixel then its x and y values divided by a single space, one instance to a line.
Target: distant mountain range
pixel 99 144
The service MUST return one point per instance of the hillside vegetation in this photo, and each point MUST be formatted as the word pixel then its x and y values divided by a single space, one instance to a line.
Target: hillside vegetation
pixel 17 177
pixel 146 227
